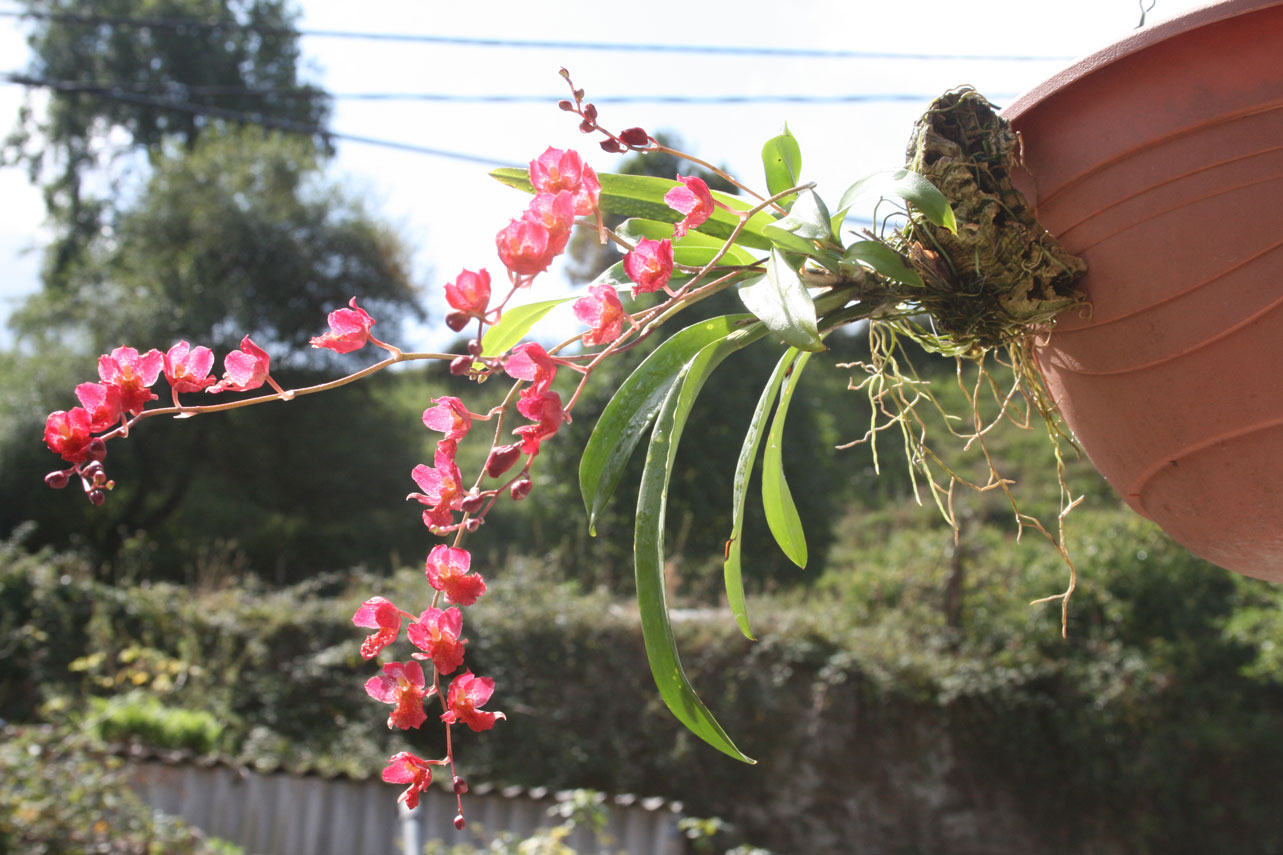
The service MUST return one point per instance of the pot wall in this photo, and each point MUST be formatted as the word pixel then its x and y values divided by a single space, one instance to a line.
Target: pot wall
pixel 1160 162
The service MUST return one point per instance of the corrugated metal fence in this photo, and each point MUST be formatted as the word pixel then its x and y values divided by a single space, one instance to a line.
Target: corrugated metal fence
pixel 279 814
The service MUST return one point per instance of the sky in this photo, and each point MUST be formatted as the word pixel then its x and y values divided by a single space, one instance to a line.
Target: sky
pixel 449 209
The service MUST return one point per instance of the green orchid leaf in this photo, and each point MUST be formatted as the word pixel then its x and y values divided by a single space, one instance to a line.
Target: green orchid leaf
pixel 788 242
pixel 779 299
pixel 883 260
pixel 615 276
pixel 808 218
pixel 648 543
pixel 777 501
pixel 515 323
pixel 731 571
pixel 635 229
pixel 782 162
pixel 643 196
pixel 633 407
pixel 906 185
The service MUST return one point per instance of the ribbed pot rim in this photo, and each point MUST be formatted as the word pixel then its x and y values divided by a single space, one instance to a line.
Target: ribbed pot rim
pixel 1138 41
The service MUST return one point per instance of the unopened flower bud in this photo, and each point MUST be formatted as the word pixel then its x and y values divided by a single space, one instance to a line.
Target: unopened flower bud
pixel 565 105
pixel 611 146
pixel 97 449
pixel 586 127
pixel 590 112
pixel 460 365
pixel 460 786
pixel 501 459
pixel 472 503
pixel 97 496
pixel 474 347
pixel 520 488
pixel 57 480
pixel 460 823
pixel 91 470
pixel 472 524
pixel 456 320
pixel 634 136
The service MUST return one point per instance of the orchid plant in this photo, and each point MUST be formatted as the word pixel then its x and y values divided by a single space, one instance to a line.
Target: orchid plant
pixel 801 275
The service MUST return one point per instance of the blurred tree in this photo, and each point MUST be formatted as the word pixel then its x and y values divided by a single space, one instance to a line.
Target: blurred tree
pixel 172 224
pixel 240 233
pixel 118 85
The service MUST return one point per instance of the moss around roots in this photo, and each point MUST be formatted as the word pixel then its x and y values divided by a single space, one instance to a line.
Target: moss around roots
pixel 1002 271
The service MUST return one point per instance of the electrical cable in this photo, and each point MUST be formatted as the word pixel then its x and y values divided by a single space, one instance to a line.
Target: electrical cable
pixel 275 123
pixel 614 47
pixel 99 87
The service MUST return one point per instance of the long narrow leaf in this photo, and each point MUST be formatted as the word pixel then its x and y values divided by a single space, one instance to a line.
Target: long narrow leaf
pixel 636 228
pixel 648 544
pixel 634 405
pixel 643 196
pixel 781 513
pixel 513 326
pixel 739 492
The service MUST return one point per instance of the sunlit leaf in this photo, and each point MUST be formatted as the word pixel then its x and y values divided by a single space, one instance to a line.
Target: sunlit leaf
pixel 633 407
pixel 648 543
pixel 779 299
pixel 782 162
pixel 635 229
pixel 808 218
pixel 906 185
pixel 777 501
pixel 515 323
pixel 731 570
pixel 881 259
pixel 643 196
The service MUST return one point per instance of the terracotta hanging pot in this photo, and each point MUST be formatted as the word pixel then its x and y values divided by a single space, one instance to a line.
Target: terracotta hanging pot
pixel 1160 161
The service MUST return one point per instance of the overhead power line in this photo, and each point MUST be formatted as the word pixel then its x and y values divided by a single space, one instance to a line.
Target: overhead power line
pixel 182 92
pixel 275 123
pixel 140 22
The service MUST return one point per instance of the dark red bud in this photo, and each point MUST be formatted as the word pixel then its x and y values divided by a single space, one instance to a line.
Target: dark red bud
pixel 57 480
pixel 473 523
pixel 460 823
pixel 566 105
pixel 520 488
pixel 97 496
pixel 635 137
pixel 460 365
pixel 611 146
pixel 579 94
pixel 472 503
pixel 474 347
pixel 91 470
pixel 457 320
pixel 97 449
pixel 590 112
pixel 501 459
pixel 586 127
pixel 460 786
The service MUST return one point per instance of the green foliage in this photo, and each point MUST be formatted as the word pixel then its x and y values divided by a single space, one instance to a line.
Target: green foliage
pixel 264 491
pixel 145 718
pixel 236 234
pixel 1164 650
pixel 171 77
pixel 60 797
